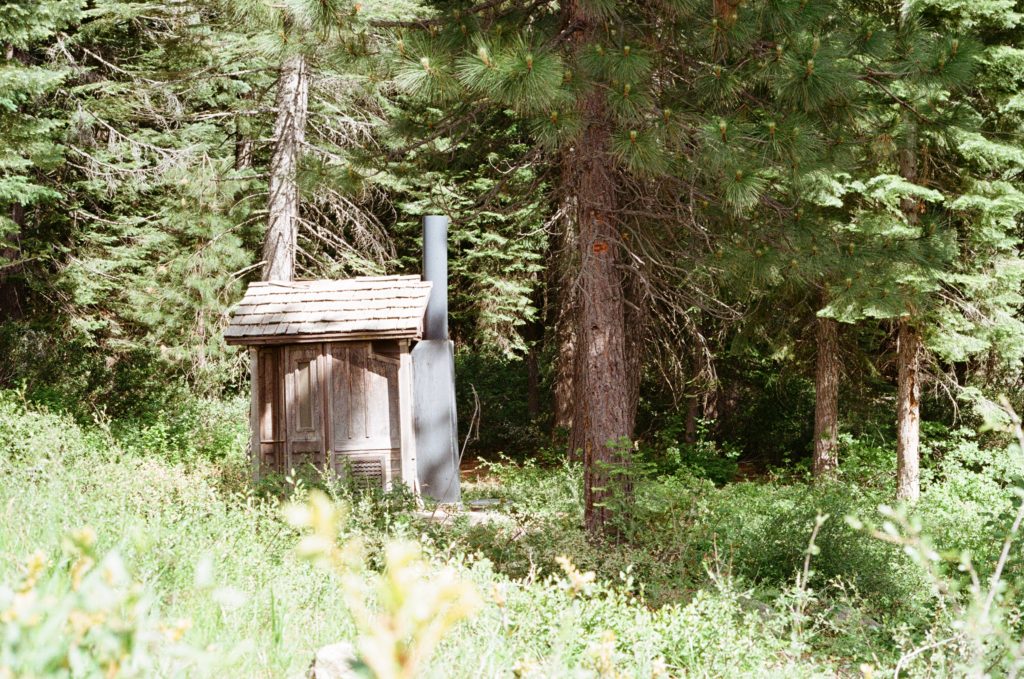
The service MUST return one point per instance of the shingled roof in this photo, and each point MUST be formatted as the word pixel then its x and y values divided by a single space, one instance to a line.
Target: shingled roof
pixel 357 308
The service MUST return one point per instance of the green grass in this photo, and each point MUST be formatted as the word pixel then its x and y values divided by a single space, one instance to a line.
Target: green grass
pixel 704 587
pixel 165 519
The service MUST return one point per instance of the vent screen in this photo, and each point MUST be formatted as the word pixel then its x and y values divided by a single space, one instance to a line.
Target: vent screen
pixel 365 472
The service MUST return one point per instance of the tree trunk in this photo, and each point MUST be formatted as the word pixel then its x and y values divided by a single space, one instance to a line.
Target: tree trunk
pixel 11 267
pixel 826 398
pixel 692 414
pixel 697 398
pixel 908 419
pixel 533 334
pixel 243 152
pixel 635 310
pixel 289 135
pixel 561 311
pixel 565 336
pixel 532 383
pixel 602 418
pixel 908 415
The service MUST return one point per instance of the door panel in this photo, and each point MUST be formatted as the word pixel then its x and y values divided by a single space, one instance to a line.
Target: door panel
pixel 304 397
pixel 364 391
pixel 269 413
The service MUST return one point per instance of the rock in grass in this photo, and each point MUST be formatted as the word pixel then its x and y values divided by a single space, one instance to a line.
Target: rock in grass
pixel 335 661
pixel 843 615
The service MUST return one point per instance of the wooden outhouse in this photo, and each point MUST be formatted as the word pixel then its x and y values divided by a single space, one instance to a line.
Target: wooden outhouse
pixel 332 381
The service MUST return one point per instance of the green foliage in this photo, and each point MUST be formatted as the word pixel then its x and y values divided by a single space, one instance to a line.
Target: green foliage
pixel 221 574
pixel 968 501
pixel 668 453
pixel 707 580
pixel 208 430
pixel 765 529
pixel 497 238
pixel 80 618
pixel 30 137
pixel 493 407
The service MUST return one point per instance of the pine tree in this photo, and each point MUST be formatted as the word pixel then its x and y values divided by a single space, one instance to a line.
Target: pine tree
pixel 30 135
pixel 133 254
pixel 296 32
pixel 639 104
pixel 773 246
pixel 873 229
pixel 826 397
pixel 912 221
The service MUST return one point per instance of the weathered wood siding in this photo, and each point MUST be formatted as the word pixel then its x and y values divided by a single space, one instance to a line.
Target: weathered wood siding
pixel 364 410
pixel 304 405
pixel 268 388
pixel 331 377
pixel 331 404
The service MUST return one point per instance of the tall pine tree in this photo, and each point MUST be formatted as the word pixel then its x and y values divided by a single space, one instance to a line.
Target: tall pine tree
pixel 641 106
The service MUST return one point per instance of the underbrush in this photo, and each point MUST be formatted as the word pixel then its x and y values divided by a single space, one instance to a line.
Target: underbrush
pixel 127 562
pixel 136 550
pixel 876 588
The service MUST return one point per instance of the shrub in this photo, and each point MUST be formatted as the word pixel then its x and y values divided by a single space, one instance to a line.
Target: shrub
pixel 79 615
pixel 667 453
pixel 967 500
pixel 761 530
pixel 36 436
pixel 196 429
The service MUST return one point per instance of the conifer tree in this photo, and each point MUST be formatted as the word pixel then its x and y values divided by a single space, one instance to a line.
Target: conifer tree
pixel 30 134
pixel 915 218
pixel 826 397
pixel 638 104
pixel 138 247
pixel 878 230
pixel 774 244
pixel 297 31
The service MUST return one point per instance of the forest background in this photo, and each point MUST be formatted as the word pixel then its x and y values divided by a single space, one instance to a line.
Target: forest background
pixel 710 260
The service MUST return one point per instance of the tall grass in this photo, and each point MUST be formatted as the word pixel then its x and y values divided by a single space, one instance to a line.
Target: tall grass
pixel 143 550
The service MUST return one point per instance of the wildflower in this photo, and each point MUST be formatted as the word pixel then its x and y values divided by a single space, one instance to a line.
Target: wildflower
pixel 176 632
pixel 577 582
pixel 33 569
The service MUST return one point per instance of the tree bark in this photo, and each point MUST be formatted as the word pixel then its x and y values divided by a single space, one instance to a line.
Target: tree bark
pixel 561 312
pixel 243 152
pixel 532 383
pixel 908 418
pixel 533 334
pixel 908 415
pixel 565 336
pixel 692 413
pixel 11 267
pixel 826 398
pixel 289 136
pixel 602 416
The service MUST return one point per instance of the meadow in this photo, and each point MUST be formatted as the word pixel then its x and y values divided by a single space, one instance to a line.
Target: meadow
pixel 145 550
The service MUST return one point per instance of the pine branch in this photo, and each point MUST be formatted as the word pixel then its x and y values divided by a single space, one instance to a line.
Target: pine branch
pixel 441 20
pixel 452 123
pixel 901 101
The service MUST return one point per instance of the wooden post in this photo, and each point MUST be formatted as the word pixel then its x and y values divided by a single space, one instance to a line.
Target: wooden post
pixel 254 413
pixel 326 383
pixel 408 434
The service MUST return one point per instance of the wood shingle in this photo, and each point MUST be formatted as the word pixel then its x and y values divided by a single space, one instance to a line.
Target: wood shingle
pixel 305 311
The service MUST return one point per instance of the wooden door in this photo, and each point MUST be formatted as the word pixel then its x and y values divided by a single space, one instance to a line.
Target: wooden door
pixel 305 405
pixel 268 389
pixel 365 426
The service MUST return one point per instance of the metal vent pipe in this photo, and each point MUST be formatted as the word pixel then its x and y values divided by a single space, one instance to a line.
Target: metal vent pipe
pixel 435 270
pixel 433 370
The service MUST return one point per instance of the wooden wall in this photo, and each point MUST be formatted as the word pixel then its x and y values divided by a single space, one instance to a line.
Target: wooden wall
pixel 334 404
